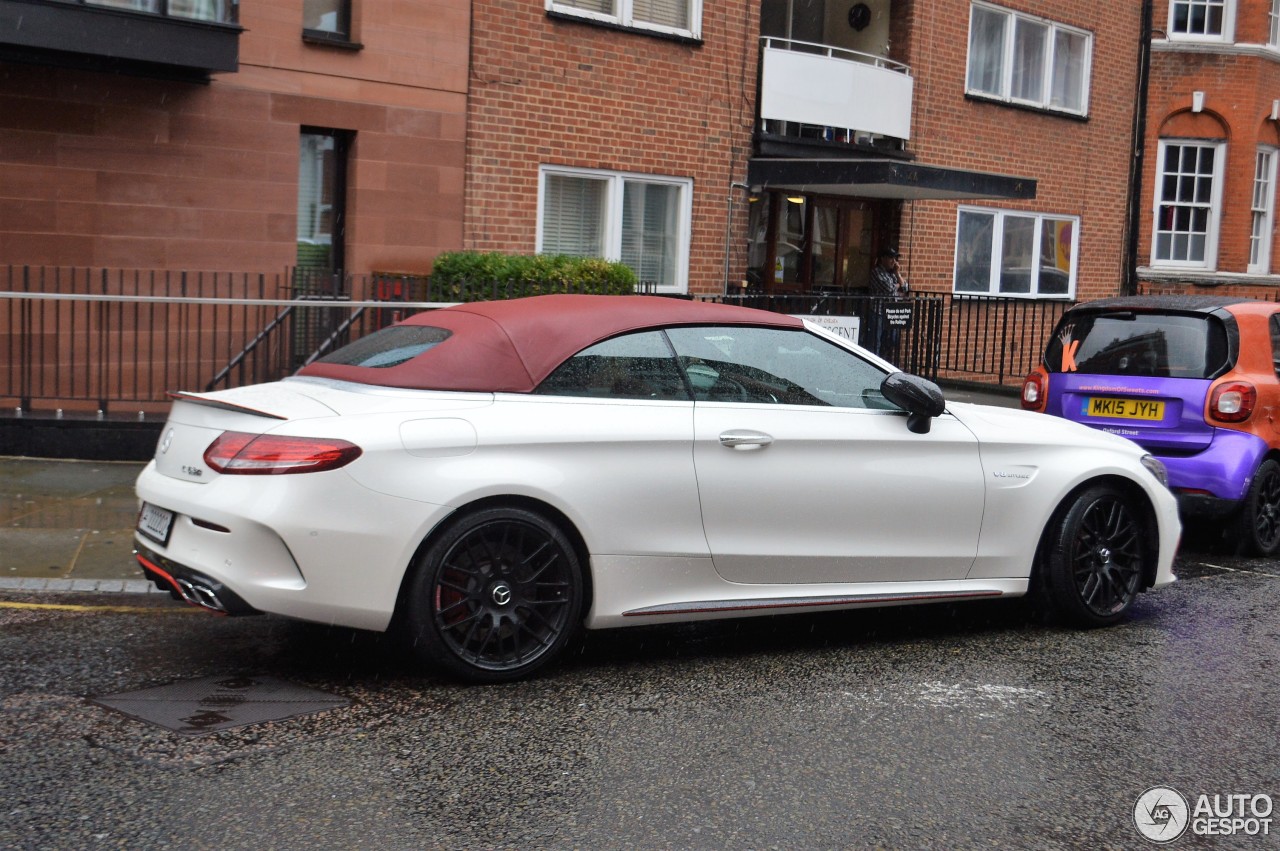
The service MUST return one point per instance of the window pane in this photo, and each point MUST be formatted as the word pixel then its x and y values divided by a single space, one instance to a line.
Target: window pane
pixel 1069 59
pixel 1197 17
pixel 1184 210
pixel 316 184
pixel 634 366
pixel 1056 236
pixel 1016 257
pixel 1029 45
pixel 200 10
pixel 1159 344
pixel 973 252
pixel 665 13
pixel 604 7
pixel 736 364
pixel 324 16
pixel 986 51
pixel 573 216
pixel 650 230
pixel 132 5
pixel 389 346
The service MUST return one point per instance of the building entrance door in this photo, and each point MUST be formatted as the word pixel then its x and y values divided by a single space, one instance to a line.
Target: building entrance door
pixel 801 242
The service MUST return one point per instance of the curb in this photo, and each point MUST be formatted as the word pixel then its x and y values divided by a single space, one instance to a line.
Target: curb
pixel 118 586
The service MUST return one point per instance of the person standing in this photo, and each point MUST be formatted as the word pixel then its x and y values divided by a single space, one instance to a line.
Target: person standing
pixel 886 283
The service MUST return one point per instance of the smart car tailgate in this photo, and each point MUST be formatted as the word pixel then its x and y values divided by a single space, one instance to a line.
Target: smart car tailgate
pixel 1162 414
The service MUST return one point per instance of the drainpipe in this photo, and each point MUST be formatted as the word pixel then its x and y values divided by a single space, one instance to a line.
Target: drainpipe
pixel 728 231
pixel 1137 162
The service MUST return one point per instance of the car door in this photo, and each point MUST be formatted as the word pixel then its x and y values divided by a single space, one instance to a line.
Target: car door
pixel 806 474
pixel 612 427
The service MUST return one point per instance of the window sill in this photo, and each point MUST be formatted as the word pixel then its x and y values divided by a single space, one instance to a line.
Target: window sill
pixel 321 38
pixel 1025 107
pixel 693 41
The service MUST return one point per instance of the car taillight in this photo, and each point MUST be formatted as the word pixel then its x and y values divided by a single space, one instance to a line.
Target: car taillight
pixel 1034 391
pixel 1232 402
pixel 237 453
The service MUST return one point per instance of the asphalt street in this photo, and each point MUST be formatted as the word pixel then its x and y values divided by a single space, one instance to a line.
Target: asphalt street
pixel 972 726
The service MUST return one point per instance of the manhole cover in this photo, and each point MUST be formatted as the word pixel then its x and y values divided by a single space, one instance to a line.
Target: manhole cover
pixel 210 704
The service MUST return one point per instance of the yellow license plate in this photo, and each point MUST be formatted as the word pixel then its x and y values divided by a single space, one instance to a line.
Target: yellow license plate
pixel 1125 409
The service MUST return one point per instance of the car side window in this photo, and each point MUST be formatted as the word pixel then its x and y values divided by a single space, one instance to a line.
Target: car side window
pixel 777 366
pixel 632 366
pixel 1275 342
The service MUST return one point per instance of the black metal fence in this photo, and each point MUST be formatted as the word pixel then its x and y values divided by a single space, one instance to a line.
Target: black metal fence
pixel 111 342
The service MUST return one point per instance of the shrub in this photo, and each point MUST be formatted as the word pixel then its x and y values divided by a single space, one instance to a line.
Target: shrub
pixel 480 276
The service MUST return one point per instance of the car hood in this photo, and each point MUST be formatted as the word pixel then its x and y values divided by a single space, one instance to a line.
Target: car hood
pixel 1010 425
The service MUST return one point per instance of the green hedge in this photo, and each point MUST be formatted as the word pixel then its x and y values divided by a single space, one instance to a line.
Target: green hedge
pixel 480 276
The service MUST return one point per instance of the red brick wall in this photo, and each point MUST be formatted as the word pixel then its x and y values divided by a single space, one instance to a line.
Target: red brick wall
pixel 105 170
pixel 1239 86
pixel 1081 166
pixel 546 91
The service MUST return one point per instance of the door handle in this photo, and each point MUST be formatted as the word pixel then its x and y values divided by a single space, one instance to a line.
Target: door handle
pixel 744 440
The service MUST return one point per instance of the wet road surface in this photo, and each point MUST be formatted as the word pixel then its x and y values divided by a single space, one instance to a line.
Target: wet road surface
pixel 933 727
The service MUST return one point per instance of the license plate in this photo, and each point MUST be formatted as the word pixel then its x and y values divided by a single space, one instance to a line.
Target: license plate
pixel 1125 409
pixel 155 522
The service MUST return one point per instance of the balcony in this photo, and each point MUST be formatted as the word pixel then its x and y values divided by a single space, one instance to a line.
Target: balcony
pixel 816 92
pixel 172 39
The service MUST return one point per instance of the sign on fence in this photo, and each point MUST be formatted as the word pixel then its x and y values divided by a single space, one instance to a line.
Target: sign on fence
pixel 845 326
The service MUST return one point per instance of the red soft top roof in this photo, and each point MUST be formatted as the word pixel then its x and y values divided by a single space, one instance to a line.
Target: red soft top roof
pixel 511 346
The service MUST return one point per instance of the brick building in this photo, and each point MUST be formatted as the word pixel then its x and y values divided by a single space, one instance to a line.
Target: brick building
pixel 998 165
pixel 1208 193
pixel 174 135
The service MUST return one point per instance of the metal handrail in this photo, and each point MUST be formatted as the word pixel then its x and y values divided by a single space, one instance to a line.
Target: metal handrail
pixel 831 51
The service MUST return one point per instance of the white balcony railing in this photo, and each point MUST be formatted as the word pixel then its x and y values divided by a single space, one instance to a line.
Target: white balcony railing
pixel 857 94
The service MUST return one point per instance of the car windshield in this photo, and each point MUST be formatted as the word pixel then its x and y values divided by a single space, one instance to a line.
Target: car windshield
pixel 388 347
pixel 1161 345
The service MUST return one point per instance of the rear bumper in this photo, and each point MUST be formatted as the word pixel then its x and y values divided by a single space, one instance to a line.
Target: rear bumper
pixel 1219 477
pixel 192 586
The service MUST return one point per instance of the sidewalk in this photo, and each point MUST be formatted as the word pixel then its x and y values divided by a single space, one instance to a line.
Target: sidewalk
pixel 68 525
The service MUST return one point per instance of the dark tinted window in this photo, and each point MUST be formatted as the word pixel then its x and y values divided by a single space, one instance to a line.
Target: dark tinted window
pixel 389 347
pixel 1160 345
pixel 633 366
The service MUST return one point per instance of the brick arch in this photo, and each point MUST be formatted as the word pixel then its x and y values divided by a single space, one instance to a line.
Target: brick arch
pixel 1186 124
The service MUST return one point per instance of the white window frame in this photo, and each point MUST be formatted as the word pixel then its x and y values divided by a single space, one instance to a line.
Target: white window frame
pixel 1007 48
pixel 1228 33
pixel 615 181
pixel 1273 17
pixel 623 15
pixel 997 252
pixel 1210 261
pixel 1262 209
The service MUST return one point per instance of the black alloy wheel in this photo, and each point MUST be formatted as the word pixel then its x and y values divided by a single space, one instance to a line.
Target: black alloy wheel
pixel 497 596
pixel 1096 558
pixel 1258 525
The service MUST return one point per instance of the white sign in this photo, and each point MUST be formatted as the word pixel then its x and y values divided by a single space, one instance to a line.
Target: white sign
pixel 844 326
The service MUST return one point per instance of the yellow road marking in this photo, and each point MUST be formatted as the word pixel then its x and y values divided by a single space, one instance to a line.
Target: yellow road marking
pixel 68 607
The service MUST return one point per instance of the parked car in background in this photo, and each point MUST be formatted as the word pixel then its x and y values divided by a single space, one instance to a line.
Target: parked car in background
pixel 1192 379
pixel 491 477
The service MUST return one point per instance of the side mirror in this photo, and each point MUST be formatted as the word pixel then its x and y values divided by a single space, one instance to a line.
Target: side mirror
pixel 919 397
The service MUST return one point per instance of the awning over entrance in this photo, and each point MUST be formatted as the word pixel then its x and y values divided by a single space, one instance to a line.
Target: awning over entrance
pixel 895 179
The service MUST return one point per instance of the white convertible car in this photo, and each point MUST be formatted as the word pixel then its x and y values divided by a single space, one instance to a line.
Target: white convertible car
pixel 491 477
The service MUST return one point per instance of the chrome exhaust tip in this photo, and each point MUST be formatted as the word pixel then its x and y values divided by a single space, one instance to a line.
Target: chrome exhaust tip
pixel 199 595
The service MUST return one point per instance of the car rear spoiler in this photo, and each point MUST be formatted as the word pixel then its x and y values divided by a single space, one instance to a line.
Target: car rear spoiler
pixel 197 399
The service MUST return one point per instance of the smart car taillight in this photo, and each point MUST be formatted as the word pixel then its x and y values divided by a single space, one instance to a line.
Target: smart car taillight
pixel 1034 391
pixel 1232 402
pixel 237 453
